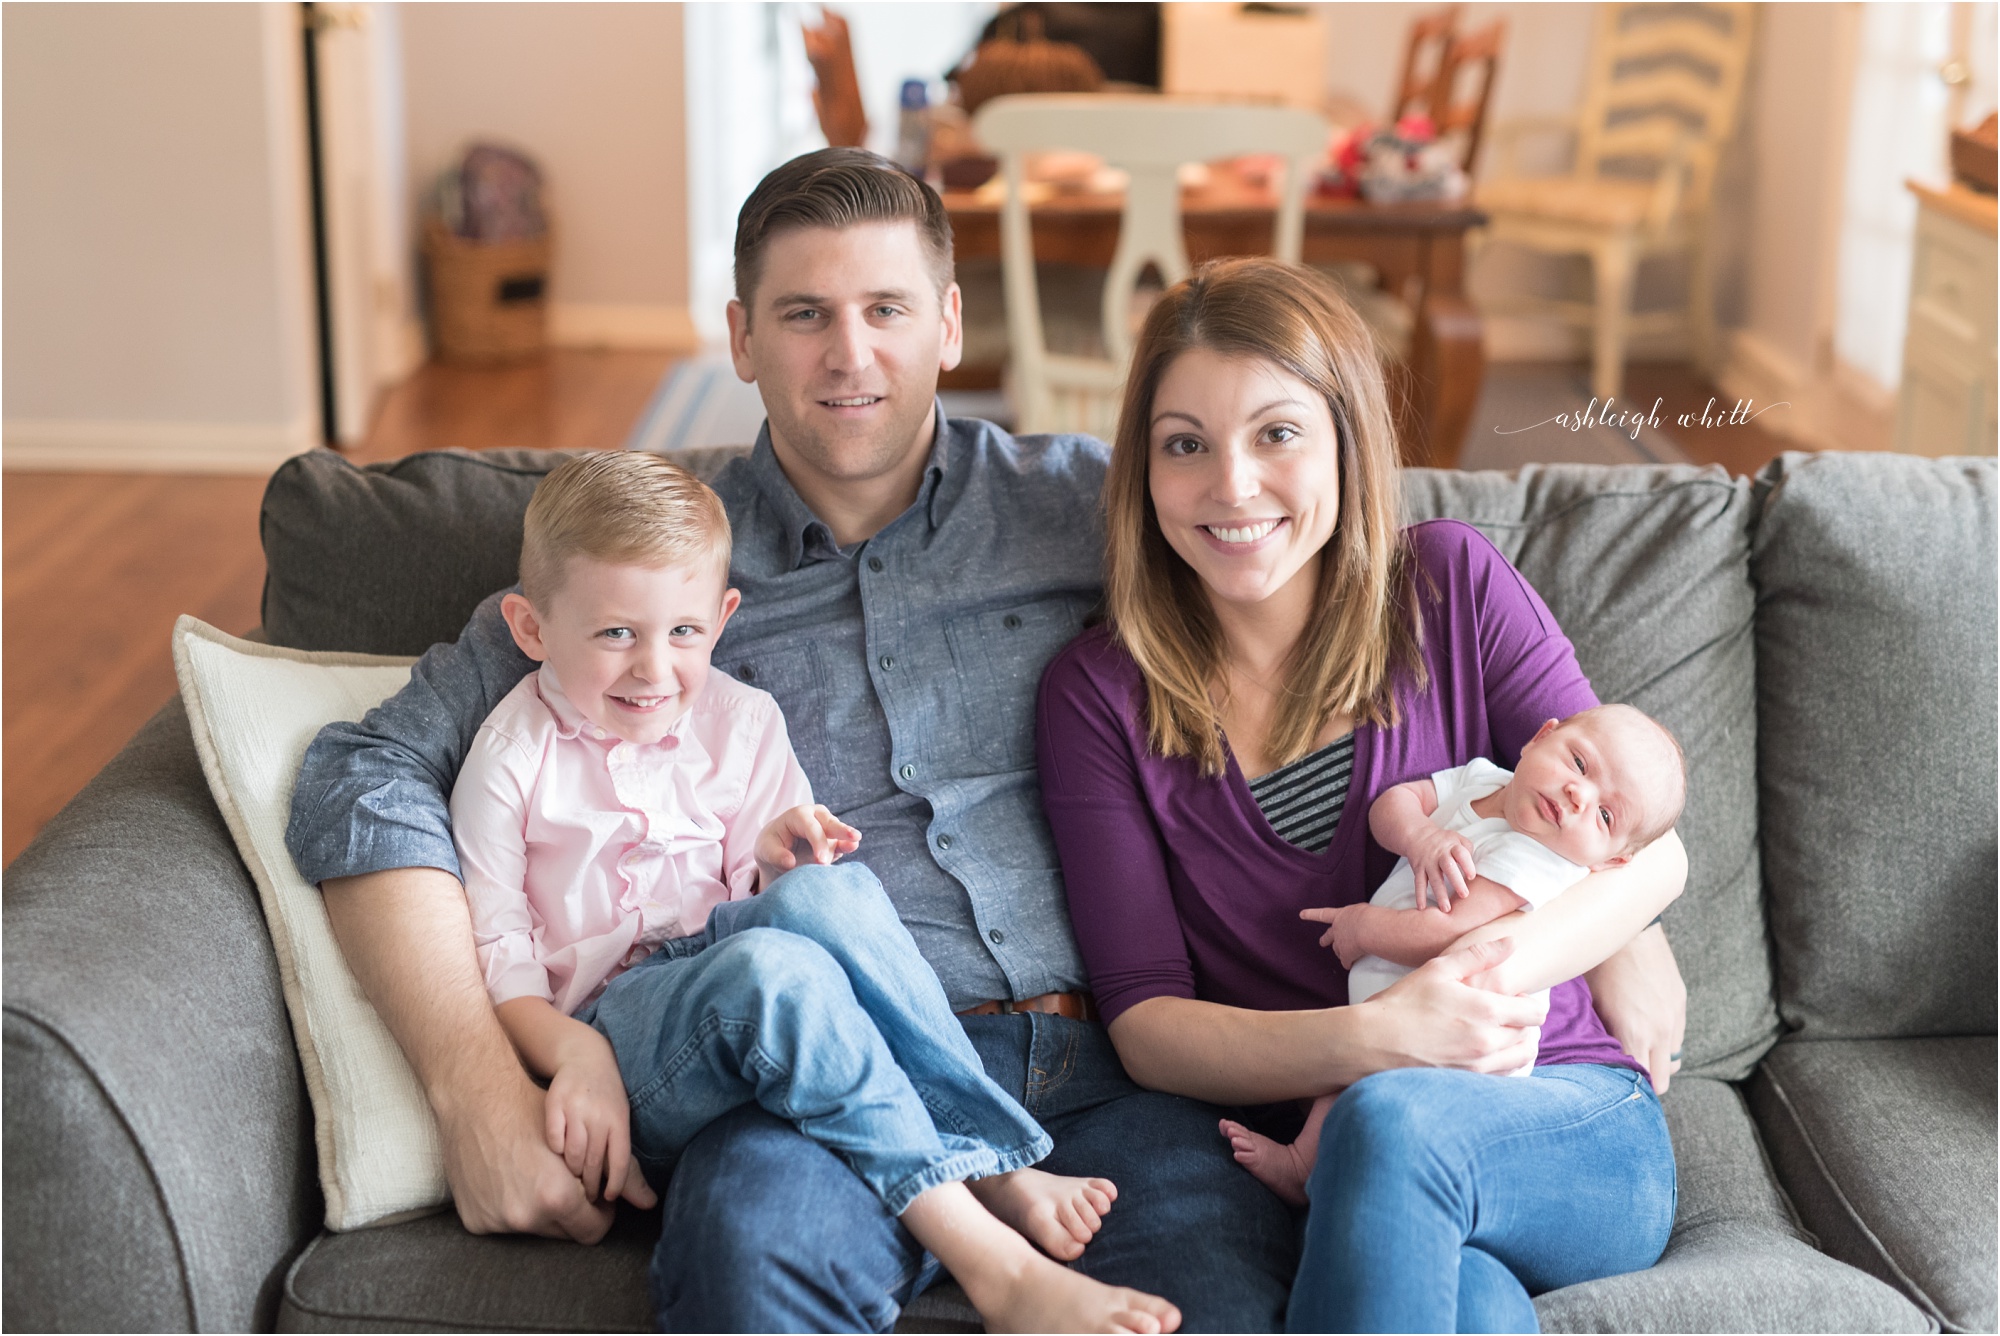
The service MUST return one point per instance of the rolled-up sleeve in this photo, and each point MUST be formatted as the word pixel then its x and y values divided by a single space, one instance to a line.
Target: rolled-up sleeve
pixel 1114 864
pixel 489 811
pixel 372 795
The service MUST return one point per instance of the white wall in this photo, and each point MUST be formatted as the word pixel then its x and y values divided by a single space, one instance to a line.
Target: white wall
pixel 157 273
pixel 595 94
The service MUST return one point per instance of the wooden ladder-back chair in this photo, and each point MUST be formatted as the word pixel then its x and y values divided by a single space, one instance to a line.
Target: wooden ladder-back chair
pixel 1666 82
pixel 1150 138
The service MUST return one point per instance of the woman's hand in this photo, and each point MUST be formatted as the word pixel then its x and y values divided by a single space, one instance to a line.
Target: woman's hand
pixel 824 833
pixel 1643 1002
pixel 1434 1017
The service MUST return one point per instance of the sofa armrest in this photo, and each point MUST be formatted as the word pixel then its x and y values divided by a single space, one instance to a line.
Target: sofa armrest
pixel 158 1137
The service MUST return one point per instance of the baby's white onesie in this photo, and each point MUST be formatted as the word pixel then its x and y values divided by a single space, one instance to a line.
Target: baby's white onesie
pixel 1524 866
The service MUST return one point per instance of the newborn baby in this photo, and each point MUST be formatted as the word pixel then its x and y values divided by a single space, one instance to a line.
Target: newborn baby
pixel 1591 791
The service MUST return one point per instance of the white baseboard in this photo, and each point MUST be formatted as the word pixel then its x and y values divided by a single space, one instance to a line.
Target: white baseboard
pixel 1838 410
pixel 600 325
pixel 154 447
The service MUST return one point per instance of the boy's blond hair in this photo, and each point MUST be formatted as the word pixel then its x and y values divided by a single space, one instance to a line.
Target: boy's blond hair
pixel 627 507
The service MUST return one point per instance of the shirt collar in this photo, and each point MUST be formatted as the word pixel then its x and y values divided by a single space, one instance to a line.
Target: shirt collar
pixel 805 534
pixel 572 723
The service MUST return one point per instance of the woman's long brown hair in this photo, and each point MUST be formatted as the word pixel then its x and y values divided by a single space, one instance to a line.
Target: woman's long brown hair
pixel 1364 626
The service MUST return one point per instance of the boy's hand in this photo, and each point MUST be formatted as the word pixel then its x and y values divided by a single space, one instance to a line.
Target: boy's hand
pixel 1442 862
pixel 589 1124
pixel 824 833
pixel 1343 932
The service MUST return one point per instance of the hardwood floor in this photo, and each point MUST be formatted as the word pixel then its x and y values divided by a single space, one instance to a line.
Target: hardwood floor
pixel 97 566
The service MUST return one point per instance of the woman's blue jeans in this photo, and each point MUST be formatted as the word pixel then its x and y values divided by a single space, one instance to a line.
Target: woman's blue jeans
pixel 812 1001
pixel 1443 1199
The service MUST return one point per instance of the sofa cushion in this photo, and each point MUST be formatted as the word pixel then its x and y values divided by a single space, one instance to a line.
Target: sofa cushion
pixel 1737 1260
pixel 1887 1147
pixel 430 1275
pixel 1647 570
pixel 392 558
pixel 1876 653
pixel 253 710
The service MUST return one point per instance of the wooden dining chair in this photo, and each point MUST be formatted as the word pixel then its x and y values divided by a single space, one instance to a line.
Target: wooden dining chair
pixel 1665 85
pixel 836 90
pixel 1150 138
pixel 1464 89
pixel 1424 53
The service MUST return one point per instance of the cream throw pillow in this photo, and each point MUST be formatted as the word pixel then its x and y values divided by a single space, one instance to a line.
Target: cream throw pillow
pixel 254 709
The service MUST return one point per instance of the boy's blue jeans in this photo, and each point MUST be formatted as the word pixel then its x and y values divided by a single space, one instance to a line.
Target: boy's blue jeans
pixel 812 1001
pixel 1442 1199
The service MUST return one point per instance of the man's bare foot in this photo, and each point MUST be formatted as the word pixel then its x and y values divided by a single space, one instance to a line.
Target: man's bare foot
pixel 1058 1215
pixel 1042 1296
pixel 1283 1169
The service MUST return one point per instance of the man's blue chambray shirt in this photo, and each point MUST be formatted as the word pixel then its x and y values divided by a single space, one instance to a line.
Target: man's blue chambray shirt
pixel 907 667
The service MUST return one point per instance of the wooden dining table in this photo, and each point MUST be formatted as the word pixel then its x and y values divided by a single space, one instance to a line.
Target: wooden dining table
pixel 1417 248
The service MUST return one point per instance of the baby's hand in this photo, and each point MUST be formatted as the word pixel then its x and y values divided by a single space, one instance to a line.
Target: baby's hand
pixel 1442 862
pixel 588 1123
pixel 1342 932
pixel 826 834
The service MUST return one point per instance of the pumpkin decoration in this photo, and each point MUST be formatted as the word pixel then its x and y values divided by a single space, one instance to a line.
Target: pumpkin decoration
pixel 1025 62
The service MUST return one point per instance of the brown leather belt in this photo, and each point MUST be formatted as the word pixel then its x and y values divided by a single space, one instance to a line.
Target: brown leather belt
pixel 1076 1006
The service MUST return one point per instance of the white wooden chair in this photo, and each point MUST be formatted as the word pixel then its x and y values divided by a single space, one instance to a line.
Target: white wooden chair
pixel 1665 84
pixel 1149 138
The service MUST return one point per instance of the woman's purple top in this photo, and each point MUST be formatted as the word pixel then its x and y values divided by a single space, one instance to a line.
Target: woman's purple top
pixel 1178 887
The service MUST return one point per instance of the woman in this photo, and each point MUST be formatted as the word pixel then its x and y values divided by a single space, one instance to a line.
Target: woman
pixel 1280 652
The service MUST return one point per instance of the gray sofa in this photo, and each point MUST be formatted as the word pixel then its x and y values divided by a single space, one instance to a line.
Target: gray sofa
pixel 1821 639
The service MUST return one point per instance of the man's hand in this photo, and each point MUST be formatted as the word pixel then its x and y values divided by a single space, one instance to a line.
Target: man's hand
pixel 817 827
pixel 1643 1001
pixel 1434 1017
pixel 1343 931
pixel 1443 864
pixel 407 935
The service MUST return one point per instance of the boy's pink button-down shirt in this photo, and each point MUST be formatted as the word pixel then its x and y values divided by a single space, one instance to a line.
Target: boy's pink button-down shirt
pixel 582 852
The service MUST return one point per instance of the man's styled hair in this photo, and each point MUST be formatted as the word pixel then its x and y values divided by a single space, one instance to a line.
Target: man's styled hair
pixel 626 507
pixel 838 187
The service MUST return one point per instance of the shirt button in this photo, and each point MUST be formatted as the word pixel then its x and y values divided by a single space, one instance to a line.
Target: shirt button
pixel 887 661
pixel 908 771
pixel 944 841
pixel 746 674
pixel 875 564
pixel 1011 622
pixel 996 937
pixel 597 733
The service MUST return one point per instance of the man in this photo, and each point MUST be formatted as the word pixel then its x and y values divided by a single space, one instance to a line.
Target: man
pixel 904 580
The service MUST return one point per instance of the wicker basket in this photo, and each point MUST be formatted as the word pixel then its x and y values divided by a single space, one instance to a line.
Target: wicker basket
pixel 489 299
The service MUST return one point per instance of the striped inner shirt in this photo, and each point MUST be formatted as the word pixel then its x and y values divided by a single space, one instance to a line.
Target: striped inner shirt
pixel 1303 800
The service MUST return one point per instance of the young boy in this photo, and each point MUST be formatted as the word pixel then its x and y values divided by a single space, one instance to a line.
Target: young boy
pixel 628 824
pixel 1590 791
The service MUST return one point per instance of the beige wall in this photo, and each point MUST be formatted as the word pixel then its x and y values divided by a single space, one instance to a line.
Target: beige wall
pixel 157 302
pixel 594 92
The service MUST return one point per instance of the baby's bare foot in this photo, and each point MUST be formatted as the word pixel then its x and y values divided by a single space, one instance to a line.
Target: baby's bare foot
pixel 1043 1296
pixel 1283 1169
pixel 1058 1215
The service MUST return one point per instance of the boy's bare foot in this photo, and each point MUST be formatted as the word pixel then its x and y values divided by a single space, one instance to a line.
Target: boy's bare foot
pixel 1058 1215
pixel 1042 1296
pixel 1283 1169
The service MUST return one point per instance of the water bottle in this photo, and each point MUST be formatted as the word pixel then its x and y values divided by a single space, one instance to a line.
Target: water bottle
pixel 913 126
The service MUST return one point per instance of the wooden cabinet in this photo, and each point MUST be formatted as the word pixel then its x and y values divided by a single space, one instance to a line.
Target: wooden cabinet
pixel 1946 403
